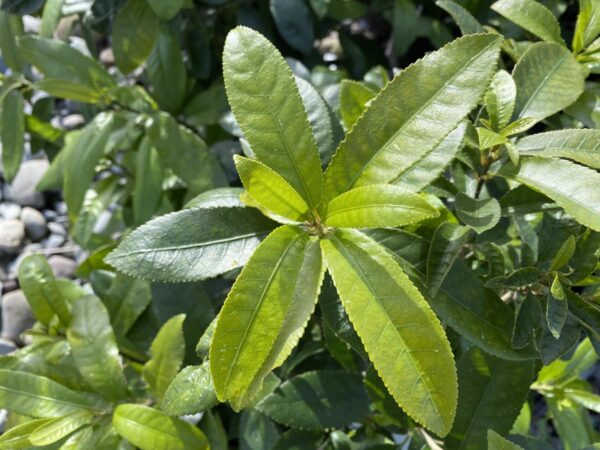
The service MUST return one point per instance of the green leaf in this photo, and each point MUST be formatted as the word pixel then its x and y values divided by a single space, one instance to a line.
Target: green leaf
pixel 56 59
pixel 299 440
pixel 399 331
pixel 568 184
pixel 463 18
pixel 556 312
pixel 354 97
pixel 267 105
pixel 147 188
pixel 564 254
pixel 70 90
pixel 376 206
pixel 256 431
pixel 166 10
pixel 125 302
pixel 581 146
pixel 149 429
pixel 532 16
pixel 11 27
pixel 405 21
pixel 190 392
pixel 388 140
pixel 134 33
pixel 481 214
pixel 13 133
pixel 166 70
pixel 294 22
pixel 500 99
pixel 265 313
pixel 586 399
pixel 491 394
pixel 446 245
pixel 271 191
pixel 227 197
pixel 317 400
pixel 497 442
pixel 588 24
pixel 37 396
pixel 17 437
pixel 488 138
pixel 94 348
pixel 60 428
pixel 562 372
pixel 50 17
pixel 548 79
pixel 203 242
pixel 167 350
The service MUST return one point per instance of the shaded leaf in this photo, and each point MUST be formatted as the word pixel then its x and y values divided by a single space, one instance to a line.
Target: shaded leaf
pixel 481 214
pixel 12 133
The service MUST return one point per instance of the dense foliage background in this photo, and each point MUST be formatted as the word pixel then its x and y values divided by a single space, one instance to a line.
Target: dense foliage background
pixel 116 112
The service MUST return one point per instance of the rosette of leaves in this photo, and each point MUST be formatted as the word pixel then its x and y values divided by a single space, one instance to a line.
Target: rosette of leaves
pixel 311 222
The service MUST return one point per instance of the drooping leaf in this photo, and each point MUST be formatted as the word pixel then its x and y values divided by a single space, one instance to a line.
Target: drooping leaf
pixel 317 400
pixel 548 79
pixel 94 348
pixel 265 101
pixel 582 146
pixel 59 428
pixel 190 392
pixel 388 140
pixel 12 133
pixel 399 331
pixel 37 396
pixel 377 206
pixel 568 184
pixel 354 97
pixel 532 16
pixel 446 245
pixel 500 100
pixel 294 22
pixel 11 27
pixel 167 350
pixel 166 10
pixel 265 313
pixel 134 34
pixel 270 190
pixel 192 244
pixel 463 18
pixel 491 394
pixel 481 214
pixel 149 429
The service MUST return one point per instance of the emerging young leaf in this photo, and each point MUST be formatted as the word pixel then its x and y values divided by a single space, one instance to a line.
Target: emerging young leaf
pixel 204 242
pixel 404 339
pixel 267 105
pixel 588 24
pixel 500 100
pixel 94 348
pixel 377 206
pixel 531 15
pixel 12 132
pixel 191 391
pixel 265 313
pixel 318 400
pixel 435 95
pixel 270 190
pixel 582 146
pixel 149 429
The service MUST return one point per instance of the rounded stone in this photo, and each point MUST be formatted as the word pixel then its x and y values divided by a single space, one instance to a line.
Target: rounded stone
pixel 35 224
pixel 22 190
pixel 16 316
pixel 12 233
pixel 62 267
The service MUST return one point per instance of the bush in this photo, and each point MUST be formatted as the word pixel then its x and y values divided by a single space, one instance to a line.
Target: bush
pixel 360 262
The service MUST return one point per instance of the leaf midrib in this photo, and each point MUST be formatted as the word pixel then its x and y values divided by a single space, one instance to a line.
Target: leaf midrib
pixel 394 206
pixel 31 395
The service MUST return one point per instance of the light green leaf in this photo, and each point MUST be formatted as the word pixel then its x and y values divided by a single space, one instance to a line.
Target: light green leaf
pixel 12 131
pixel 586 399
pixel 568 184
pixel 50 17
pixel 488 138
pixel 147 188
pixel 497 442
pixel 17 437
pixel 491 394
pixel 43 295
pixel 37 396
pixel 463 18
pixel 446 245
pixel 265 313
pixel 149 429
pixel 438 92
pixel 203 242
pixel 354 97
pixel 404 339
pixel 532 16
pixel 318 400
pixel 564 254
pixel 134 33
pixel 227 197
pixel 561 372
pixel 56 59
pixel 481 214
pixel 267 105
pixel 167 350
pixel 588 24
pixel 548 79
pixel 582 146
pixel 94 348
pixel 59 428
pixel 377 206
pixel 166 10
pixel 11 27
pixel 71 90
pixel 190 392
pixel 431 164
pixel 271 191
pixel 571 422
pixel 500 100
